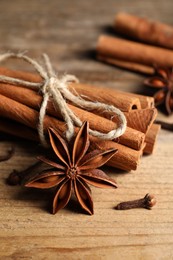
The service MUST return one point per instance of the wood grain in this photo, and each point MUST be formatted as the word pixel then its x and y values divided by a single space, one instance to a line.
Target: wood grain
pixel 67 31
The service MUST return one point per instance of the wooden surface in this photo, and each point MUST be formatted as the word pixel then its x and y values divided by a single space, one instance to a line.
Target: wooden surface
pixel 67 31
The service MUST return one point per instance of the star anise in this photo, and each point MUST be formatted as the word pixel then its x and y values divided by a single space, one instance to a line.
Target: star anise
pixel 163 82
pixel 73 169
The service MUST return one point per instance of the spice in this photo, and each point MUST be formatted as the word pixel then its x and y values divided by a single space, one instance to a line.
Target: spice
pixel 144 29
pixel 132 55
pixel 147 202
pixel 162 81
pixel 17 177
pixel 7 156
pixel 14 178
pixel 22 120
pixel 131 138
pixel 126 158
pixel 151 138
pixel 73 168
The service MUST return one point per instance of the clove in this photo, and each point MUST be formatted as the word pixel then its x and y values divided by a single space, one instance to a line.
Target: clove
pixel 16 177
pixel 147 202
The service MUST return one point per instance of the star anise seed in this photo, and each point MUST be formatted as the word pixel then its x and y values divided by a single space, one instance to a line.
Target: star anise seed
pixel 163 82
pixel 73 169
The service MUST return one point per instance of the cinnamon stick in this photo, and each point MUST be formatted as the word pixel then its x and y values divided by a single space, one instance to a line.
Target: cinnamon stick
pixel 137 101
pixel 106 95
pixel 91 92
pixel 144 29
pixel 129 51
pixel 145 101
pixel 141 119
pixel 150 138
pixel 124 101
pixel 126 158
pixel 88 91
pixel 13 128
pixel 35 78
pixel 131 138
pixel 129 65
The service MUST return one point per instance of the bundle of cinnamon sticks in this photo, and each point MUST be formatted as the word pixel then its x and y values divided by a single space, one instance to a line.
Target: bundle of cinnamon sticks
pixel 153 41
pixel 19 111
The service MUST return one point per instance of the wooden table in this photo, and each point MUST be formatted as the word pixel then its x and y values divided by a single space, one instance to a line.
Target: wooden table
pixel 67 31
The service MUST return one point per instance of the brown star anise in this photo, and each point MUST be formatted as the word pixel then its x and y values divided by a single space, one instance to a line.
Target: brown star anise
pixel 163 82
pixel 73 169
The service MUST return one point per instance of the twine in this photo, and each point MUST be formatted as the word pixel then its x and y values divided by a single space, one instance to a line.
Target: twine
pixel 56 88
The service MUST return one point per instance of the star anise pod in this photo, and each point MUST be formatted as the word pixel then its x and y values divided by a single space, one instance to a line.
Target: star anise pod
pixel 73 169
pixel 163 82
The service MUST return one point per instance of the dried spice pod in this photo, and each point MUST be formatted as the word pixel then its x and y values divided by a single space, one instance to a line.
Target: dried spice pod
pixel 147 202
pixel 162 82
pixel 73 168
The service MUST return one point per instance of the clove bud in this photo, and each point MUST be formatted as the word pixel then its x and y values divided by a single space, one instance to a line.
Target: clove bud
pixel 147 202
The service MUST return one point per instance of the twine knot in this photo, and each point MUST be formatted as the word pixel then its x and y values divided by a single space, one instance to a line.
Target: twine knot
pixel 56 88
pixel 51 83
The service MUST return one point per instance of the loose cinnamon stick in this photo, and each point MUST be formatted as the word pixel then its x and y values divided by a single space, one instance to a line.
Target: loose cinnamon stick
pixel 151 138
pixel 126 158
pixel 125 50
pixel 131 138
pixel 144 30
pixel 129 65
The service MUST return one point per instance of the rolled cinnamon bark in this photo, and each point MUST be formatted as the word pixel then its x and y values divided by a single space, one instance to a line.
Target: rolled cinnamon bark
pixel 137 101
pixel 14 128
pixel 141 119
pixel 114 48
pixel 145 101
pixel 129 65
pixel 151 137
pixel 144 30
pixel 131 138
pixel 106 95
pixel 126 158
pixel 123 100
